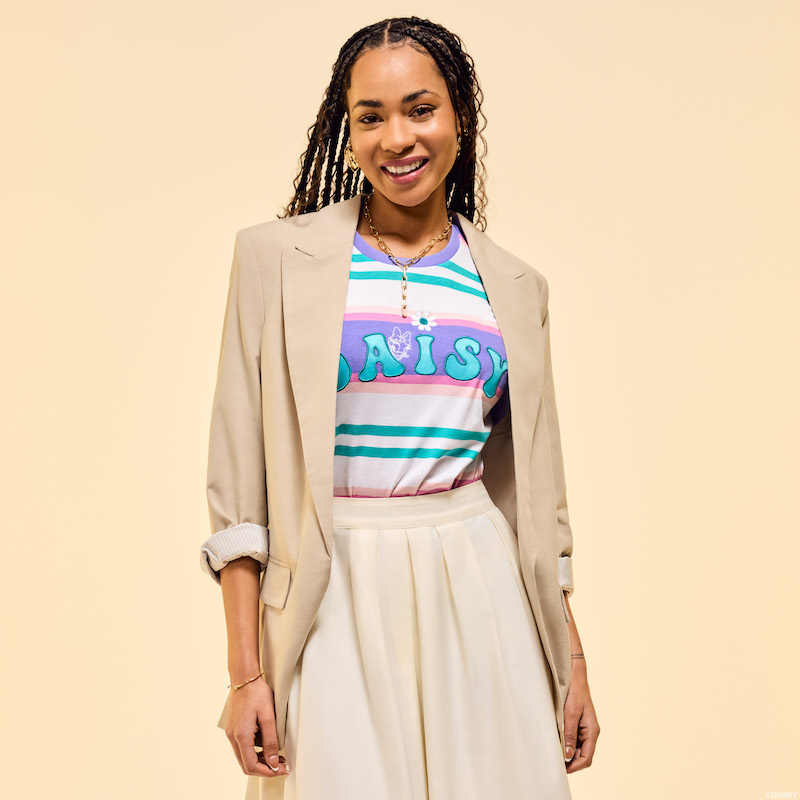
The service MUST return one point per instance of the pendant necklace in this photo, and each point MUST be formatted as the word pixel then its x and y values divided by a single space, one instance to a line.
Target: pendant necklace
pixel 403 264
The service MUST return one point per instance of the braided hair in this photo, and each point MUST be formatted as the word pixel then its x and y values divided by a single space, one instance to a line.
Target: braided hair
pixel 321 178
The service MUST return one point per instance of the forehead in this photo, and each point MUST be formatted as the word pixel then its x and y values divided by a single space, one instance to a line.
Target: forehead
pixel 389 73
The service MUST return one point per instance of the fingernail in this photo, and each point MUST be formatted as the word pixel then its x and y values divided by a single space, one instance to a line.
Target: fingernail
pixel 273 763
pixel 288 768
pixel 569 754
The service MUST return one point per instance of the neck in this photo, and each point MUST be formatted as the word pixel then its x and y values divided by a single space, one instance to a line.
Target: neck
pixel 408 223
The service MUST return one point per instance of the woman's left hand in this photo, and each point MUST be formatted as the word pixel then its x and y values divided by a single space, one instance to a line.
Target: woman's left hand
pixel 581 728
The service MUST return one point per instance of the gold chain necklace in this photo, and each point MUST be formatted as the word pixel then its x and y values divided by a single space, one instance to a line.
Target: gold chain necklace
pixel 403 265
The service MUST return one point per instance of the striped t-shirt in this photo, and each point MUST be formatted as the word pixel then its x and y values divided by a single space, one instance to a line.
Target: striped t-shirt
pixel 416 396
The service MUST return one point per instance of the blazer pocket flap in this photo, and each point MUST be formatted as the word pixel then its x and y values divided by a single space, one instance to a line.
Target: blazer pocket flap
pixel 275 583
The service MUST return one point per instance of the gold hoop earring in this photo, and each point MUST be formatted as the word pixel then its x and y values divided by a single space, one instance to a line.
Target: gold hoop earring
pixel 458 145
pixel 350 157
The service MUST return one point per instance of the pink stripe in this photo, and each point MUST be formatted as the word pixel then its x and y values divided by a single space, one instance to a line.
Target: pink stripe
pixel 475 475
pixel 466 321
pixel 462 322
pixel 376 314
pixel 441 391
pixel 462 317
pixel 426 380
pixel 396 386
pixel 356 313
pixel 373 309
pixel 426 488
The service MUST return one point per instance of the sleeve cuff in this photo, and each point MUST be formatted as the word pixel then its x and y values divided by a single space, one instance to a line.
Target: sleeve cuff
pixel 565 575
pixel 246 539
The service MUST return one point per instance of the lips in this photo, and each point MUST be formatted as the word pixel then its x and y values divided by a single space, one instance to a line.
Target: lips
pixel 405 169
pixel 406 177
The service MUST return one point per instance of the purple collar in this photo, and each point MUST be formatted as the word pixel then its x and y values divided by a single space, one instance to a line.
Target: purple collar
pixel 450 249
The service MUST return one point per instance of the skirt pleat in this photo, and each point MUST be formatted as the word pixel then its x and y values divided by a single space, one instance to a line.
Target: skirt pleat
pixel 423 676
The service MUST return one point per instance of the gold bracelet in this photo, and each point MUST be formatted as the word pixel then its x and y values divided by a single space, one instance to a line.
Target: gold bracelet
pixel 246 682
pixel 578 655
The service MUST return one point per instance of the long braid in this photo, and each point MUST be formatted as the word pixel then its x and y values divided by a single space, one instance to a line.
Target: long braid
pixel 321 177
pixel 349 189
pixel 340 168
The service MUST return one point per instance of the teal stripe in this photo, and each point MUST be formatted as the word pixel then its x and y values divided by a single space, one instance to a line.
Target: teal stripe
pixel 411 430
pixel 414 278
pixel 360 258
pixel 402 452
pixel 461 271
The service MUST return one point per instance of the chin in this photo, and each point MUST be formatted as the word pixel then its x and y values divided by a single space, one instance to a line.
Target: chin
pixel 408 198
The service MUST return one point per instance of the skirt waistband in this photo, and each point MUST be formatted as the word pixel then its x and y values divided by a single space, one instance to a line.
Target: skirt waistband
pixel 413 510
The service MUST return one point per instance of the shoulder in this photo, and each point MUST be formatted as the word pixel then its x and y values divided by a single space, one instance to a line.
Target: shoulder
pixel 534 281
pixel 511 262
pixel 265 245
pixel 527 267
pixel 331 221
pixel 274 232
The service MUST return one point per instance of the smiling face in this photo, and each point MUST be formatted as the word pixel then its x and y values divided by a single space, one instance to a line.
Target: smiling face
pixel 401 119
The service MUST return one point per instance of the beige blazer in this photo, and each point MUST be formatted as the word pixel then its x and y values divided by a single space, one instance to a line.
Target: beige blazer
pixel 271 441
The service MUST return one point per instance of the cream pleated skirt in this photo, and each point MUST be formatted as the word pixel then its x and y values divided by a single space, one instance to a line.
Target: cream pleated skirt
pixel 423 676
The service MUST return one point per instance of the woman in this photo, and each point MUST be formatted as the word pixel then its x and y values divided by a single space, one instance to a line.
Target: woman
pixel 369 463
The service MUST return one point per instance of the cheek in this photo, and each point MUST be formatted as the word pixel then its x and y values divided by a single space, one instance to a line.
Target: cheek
pixel 362 143
pixel 446 134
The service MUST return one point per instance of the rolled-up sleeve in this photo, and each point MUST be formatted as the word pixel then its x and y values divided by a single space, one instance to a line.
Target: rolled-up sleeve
pixel 557 461
pixel 236 485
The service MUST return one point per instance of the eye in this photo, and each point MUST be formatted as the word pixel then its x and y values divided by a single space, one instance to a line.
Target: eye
pixel 423 110
pixel 368 119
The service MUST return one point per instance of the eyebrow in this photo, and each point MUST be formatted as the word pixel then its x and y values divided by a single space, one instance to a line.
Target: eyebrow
pixel 409 98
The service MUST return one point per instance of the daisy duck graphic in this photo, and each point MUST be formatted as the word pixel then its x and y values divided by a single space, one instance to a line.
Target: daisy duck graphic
pixel 400 343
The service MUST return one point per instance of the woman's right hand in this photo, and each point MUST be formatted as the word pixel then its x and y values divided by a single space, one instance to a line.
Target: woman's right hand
pixel 251 723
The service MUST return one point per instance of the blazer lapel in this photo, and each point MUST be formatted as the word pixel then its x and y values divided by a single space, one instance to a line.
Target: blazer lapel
pixel 314 279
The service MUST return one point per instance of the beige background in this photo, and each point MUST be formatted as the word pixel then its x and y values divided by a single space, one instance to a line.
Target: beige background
pixel 643 156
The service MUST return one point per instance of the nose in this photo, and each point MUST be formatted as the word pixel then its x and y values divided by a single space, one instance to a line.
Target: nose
pixel 398 135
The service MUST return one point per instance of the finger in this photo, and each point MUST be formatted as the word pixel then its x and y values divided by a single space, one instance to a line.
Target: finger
pixel 254 762
pixel 268 762
pixel 588 742
pixel 243 741
pixel 579 762
pixel 236 749
pixel 269 758
pixel 260 755
pixel 572 716
pixel 282 760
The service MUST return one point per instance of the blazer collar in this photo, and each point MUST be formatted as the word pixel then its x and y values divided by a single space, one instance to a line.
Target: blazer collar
pixel 315 273
pixel 337 223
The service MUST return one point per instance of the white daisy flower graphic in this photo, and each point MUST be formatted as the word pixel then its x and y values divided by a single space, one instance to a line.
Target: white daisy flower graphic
pixel 424 321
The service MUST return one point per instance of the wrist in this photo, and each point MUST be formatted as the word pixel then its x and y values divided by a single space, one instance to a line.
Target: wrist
pixel 577 663
pixel 239 672
pixel 252 681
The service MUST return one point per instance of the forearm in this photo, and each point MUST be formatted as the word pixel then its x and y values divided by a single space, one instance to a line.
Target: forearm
pixel 575 646
pixel 240 587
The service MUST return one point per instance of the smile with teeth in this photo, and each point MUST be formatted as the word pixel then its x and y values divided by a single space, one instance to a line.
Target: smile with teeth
pixel 406 168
